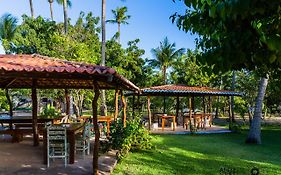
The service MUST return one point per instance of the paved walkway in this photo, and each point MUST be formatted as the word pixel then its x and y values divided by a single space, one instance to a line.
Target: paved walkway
pixel 24 159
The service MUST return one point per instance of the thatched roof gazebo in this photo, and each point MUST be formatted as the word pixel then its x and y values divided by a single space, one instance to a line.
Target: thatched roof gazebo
pixel 40 72
pixel 180 91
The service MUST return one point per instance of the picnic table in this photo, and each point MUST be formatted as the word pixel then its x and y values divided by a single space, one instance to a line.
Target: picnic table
pixel 200 120
pixel 72 129
pixel 19 125
pixel 164 117
pixel 106 119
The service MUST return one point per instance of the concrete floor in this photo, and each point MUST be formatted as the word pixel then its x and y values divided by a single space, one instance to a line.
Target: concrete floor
pixel 24 159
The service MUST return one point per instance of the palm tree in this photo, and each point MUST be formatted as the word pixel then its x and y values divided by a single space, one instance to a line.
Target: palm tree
pixel 254 135
pixel 8 25
pixel 31 8
pixel 165 55
pixel 51 9
pixel 65 3
pixel 120 17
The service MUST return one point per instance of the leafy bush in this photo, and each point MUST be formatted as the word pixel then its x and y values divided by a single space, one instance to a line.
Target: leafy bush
pixel 50 112
pixel 133 137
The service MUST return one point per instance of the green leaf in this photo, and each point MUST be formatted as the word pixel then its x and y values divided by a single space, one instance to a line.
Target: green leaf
pixel 273 43
pixel 272 58
pixel 212 12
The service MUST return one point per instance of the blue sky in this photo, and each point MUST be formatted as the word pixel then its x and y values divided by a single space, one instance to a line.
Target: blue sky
pixel 149 19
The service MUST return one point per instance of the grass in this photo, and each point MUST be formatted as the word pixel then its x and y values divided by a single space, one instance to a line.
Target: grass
pixel 206 154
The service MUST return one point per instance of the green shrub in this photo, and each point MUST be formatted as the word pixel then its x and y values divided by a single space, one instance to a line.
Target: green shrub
pixel 50 112
pixel 133 137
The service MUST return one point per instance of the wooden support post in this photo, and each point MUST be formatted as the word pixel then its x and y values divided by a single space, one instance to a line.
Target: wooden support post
pixel 10 107
pixel 164 105
pixel 124 109
pixel 210 105
pixel 116 104
pixel 138 104
pixel 96 128
pixel 177 109
pixel 204 105
pixel 232 108
pixel 67 102
pixel 192 103
pixel 133 107
pixel 9 102
pixel 217 107
pixel 149 112
pixel 229 112
pixel 34 114
pixel 190 113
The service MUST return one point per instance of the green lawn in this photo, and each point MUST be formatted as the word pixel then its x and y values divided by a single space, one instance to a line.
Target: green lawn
pixel 206 154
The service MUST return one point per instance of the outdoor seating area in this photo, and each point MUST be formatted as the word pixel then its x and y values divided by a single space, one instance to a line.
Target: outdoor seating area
pixel 141 87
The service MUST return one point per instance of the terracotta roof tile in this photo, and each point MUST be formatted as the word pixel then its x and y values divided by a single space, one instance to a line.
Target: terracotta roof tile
pixel 46 66
pixel 183 89
pixel 40 63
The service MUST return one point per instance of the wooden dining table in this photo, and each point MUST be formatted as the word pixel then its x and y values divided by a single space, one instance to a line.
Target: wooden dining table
pixel 107 119
pixel 200 120
pixel 164 117
pixel 72 129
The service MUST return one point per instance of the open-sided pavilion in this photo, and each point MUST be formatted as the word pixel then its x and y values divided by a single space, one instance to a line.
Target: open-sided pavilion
pixel 181 91
pixel 41 72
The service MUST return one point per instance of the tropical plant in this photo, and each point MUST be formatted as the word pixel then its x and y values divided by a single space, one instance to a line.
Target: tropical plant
pixel 120 17
pixel 188 70
pixel 50 112
pixel 165 55
pixel 235 35
pixel 8 25
pixel 133 137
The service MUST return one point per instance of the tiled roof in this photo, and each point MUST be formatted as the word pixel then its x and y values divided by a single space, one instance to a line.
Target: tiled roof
pixel 58 73
pixel 38 63
pixel 182 90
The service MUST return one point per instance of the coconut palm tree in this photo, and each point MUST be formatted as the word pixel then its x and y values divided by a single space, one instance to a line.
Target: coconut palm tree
pixel 103 14
pixel 51 8
pixel 65 3
pixel 165 55
pixel 120 17
pixel 8 24
pixel 31 8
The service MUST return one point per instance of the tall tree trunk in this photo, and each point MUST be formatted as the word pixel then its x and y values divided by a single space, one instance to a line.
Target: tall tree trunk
pixel 218 101
pixel 51 10
pixel 96 129
pixel 65 16
pixel 31 8
pixel 254 135
pixel 119 32
pixel 232 97
pixel 164 74
pixel 103 14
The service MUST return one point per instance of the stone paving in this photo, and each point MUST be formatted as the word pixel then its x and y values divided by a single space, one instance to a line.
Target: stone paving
pixel 24 159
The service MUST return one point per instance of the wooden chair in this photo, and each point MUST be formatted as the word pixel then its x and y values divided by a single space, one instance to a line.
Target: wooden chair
pixel 56 143
pixel 82 142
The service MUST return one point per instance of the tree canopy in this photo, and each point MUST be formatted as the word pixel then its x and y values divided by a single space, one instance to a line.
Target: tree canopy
pixel 235 34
